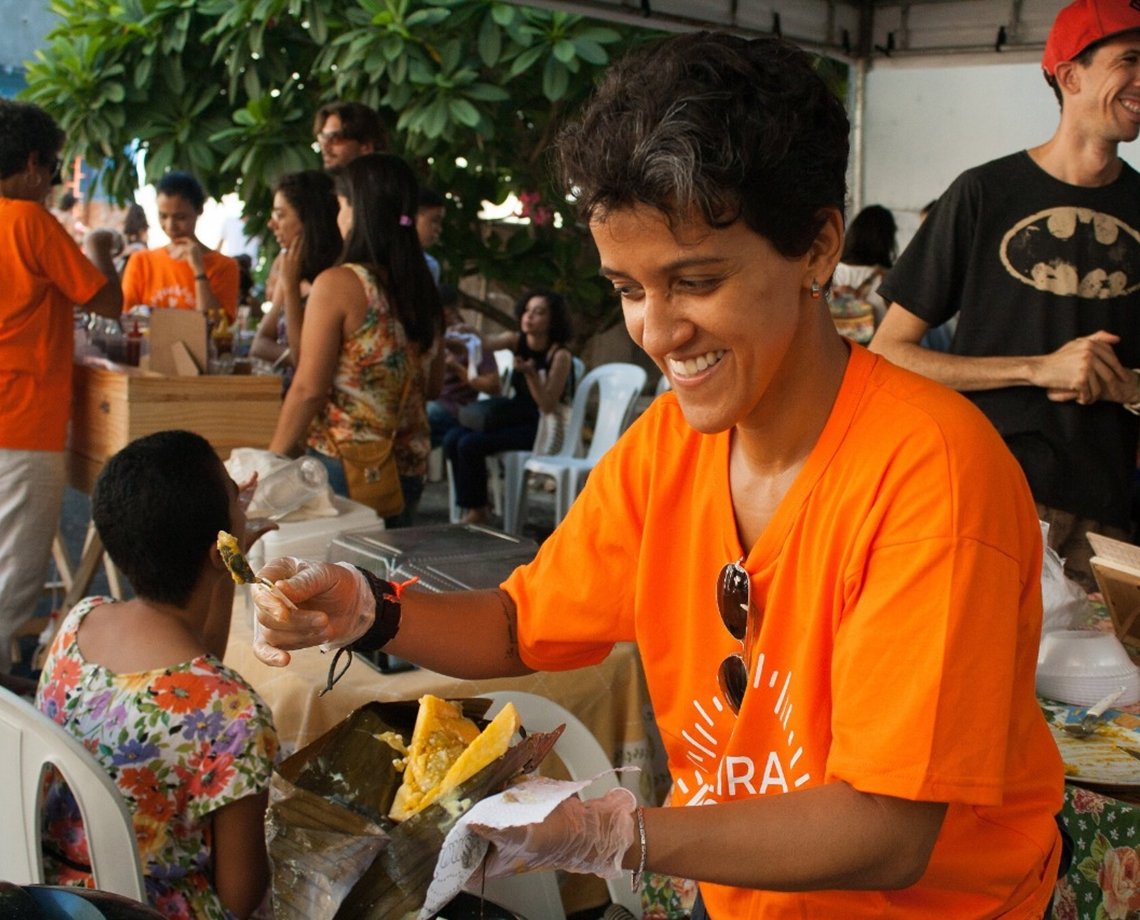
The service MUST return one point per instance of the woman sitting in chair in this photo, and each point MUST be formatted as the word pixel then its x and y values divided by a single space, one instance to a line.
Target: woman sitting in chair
pixel 537 384
pixel 141 684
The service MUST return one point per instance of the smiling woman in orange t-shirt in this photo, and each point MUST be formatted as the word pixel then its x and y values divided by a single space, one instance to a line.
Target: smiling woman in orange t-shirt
pixel 830 566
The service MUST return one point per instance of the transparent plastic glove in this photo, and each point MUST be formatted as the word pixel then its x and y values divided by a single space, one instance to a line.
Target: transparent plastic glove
pixel 589 838
pixel 335 607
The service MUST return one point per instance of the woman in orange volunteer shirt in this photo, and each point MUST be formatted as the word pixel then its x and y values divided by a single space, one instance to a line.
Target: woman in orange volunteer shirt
pixel 831 566
pixel 45 276
pixel 183 274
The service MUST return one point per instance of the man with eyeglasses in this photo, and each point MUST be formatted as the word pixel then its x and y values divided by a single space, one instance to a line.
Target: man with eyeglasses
pixel 347 130
pixel 831 566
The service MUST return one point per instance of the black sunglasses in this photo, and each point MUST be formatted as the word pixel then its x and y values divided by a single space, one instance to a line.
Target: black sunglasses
pixel 734 601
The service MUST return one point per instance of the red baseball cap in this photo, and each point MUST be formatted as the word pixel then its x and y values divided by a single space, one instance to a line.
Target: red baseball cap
pixel 1086 21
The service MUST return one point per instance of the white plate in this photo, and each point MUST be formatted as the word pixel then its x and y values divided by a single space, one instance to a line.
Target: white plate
pixel 1102 758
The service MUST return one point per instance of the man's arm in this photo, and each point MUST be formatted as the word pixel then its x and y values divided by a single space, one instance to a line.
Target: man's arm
pixel 1085 369
pixel 108 300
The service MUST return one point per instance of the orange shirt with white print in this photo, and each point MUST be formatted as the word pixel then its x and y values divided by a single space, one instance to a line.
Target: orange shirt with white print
pixel 44 276
pixel 157 280
pixel 899 582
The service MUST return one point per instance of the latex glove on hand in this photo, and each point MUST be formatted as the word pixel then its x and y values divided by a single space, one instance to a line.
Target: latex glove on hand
pixel 335 607
pixel 587 837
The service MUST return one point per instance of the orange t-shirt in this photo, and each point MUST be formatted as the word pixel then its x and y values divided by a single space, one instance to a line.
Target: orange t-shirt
pixel 899 581
pixel 45 275
pixel 153 278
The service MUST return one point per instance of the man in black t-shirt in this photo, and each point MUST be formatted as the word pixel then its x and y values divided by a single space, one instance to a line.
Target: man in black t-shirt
pixel 1039 255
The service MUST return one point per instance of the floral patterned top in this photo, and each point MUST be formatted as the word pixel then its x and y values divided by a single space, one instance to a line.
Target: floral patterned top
pixel 368 387
pixel 179 742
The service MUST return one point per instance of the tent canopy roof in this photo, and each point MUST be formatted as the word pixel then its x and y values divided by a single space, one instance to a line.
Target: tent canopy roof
pixel 876 31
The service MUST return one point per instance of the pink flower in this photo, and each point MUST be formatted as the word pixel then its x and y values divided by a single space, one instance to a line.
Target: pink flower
pixel 1064 901
pixel 1119 878
pixel 1085 802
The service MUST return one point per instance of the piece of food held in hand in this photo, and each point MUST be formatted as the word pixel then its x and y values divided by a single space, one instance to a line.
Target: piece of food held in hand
pixel 232 556
pixel 447 748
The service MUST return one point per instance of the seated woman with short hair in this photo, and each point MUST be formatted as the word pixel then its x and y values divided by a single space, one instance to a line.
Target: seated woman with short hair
pixel 188 742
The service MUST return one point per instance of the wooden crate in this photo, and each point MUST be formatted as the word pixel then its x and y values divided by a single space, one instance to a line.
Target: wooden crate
pixel 111 408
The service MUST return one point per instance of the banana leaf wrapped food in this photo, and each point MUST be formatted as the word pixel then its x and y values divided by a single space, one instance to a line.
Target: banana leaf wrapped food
pixel 335 850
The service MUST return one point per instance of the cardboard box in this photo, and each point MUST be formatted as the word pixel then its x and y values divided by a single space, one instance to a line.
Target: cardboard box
pixel 1116 566
pixel 112 407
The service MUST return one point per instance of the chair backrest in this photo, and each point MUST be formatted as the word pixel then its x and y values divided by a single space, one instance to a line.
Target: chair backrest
pixel 583 758
pixel 617 384
pixel 29 742
pixel 505 360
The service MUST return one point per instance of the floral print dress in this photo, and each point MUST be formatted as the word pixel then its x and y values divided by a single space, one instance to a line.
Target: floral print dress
pixel 369 383
pixel 179 742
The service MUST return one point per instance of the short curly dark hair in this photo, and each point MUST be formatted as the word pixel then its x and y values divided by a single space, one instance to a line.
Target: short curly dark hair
pixel 26 129
pixel 182 185
pixel 158 505
pixel 713 125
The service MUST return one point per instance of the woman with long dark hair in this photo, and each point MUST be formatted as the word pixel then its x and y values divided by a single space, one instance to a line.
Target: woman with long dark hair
pixel 542 367
pixel 869 250
pixel 304 222
pixel 369 353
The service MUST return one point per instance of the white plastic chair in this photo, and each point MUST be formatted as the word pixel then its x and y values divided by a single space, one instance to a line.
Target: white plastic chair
pixel 505 469
pixel 29 741
pixel 535 894
pixel 617 385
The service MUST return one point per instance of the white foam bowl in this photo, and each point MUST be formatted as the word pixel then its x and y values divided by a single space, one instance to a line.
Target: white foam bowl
pixel 1082 666
pixel 1082 653
pixel 1086 691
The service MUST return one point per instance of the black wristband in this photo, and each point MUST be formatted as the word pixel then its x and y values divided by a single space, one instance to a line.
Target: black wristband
pixel 387 623
pixel 201 276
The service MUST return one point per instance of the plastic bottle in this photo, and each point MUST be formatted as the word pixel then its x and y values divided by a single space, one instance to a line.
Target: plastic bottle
pixel 134 345
pixel 288 487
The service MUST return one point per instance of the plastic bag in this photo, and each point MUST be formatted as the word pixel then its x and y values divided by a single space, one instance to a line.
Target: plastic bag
pixel 243 462
pixel 1064 603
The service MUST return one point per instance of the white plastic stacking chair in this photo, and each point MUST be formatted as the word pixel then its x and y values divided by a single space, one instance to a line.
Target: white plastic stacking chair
pixel 535 894
pixel 29 742
pixel 617 386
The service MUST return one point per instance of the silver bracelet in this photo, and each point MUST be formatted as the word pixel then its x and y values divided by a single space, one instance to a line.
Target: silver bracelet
pixel 635 879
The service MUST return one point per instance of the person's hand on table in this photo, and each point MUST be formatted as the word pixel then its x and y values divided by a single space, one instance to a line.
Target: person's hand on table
pixel 334 607
pixel 587 837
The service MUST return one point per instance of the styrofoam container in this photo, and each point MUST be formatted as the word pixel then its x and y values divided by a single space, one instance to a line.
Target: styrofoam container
pixel 1082 653
pixel 1086 691
pixel 1082 666
pixel 310 539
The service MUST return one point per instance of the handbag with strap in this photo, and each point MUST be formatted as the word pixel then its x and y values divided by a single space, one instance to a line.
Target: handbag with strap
pixel 370 465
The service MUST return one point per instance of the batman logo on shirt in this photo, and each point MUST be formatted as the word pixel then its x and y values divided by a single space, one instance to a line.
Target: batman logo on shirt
pixel 1074 252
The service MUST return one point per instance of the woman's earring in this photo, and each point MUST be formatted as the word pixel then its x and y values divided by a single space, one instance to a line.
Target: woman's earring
pixel 815 289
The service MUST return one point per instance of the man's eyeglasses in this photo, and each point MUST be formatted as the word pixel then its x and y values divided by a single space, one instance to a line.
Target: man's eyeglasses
pixel 734 601
pixel 332 137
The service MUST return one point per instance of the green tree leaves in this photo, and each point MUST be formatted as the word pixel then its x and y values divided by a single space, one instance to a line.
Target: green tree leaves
pixel 473 91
